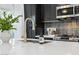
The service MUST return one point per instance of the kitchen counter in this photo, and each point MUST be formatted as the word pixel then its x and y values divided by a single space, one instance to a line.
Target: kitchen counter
pixel 30 48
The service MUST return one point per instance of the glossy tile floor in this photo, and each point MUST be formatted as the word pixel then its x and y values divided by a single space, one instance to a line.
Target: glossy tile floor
pixel 29 48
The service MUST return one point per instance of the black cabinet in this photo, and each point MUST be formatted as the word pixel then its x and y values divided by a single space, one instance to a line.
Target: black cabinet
pixel 39 19
pixel 76 9
pixel 50 12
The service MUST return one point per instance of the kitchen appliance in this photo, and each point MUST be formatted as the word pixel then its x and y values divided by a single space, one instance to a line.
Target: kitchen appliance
pixel 64 11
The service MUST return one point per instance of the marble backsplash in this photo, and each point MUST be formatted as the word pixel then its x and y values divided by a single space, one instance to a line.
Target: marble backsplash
pixel 64 27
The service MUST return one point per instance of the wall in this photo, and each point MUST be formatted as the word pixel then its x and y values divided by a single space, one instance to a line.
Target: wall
pixel 65 27
pixel 16 9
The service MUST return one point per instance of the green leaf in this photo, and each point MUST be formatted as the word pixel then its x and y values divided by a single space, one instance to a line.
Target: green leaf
pixel 7 21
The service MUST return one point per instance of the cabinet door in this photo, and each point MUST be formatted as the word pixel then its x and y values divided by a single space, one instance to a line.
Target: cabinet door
pixel 76 9
pixel 39 19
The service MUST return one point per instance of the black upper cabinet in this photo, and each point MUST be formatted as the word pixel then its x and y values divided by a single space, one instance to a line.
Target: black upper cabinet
pixel 39 19
pixel 76 9
pixel 39 16
pixel 50 11
pixel 29 10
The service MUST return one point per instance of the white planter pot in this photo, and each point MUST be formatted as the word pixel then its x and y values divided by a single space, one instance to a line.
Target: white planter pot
pixel 5 36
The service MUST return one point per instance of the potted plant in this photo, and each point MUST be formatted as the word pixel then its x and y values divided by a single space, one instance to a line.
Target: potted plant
pixel 6 24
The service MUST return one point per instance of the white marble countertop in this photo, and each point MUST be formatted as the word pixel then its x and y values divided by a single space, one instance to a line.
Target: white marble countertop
pixel 30 48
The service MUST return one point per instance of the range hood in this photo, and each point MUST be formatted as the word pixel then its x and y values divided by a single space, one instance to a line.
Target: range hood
pixel 67 11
